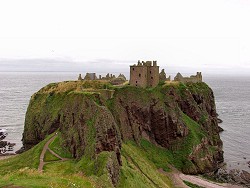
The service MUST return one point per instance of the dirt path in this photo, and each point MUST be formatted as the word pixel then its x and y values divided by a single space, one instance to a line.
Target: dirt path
pixel 205 183
pixel 178 178
pixel 2 157
pixel 45 148
pixel 174 176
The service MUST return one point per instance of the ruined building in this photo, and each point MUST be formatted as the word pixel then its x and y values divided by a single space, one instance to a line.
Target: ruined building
pixel 194 78
pixel 80 77
pixel 144 74
pixel 163 76
pixel 90 76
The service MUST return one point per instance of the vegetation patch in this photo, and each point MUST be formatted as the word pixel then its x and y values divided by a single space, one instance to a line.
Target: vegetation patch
pixel 182 149
pixel 32 178
pixel 48 157
pixel 189 184
pixel 29 159
pixel 57 146
pixel 161 157
pixel 138 171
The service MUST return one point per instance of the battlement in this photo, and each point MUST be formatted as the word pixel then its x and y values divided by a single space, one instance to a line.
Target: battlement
pixel 146 64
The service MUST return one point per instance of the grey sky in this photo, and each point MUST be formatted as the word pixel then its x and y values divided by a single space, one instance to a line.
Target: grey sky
pixel 194 35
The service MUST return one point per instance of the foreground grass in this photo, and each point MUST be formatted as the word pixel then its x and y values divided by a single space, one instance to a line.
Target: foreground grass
pixel 29 159
pixel 138 171
pixel 32 178
pixel 21 170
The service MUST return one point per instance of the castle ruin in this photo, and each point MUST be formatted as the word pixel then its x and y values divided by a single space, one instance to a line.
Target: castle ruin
pixel 194 78
pixel 144 74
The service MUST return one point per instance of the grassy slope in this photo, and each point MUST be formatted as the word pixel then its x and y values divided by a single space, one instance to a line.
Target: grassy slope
pixel 137 170
pixel 29 159
pixel 56 146
pixel 48 157
pixel 22 170
pixel 141 164
pixel 140 168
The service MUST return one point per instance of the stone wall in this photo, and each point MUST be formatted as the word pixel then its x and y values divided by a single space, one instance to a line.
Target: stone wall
pixel 153 76
pixel 144 74
pixel 194 78
pixel 138 76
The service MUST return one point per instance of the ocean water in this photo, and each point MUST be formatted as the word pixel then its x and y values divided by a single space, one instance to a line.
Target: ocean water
pixel 232 97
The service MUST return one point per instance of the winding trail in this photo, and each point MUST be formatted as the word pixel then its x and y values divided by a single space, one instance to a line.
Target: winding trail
pixel 45 148
pixel 178 178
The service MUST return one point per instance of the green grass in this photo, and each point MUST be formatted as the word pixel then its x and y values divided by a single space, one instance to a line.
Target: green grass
pixel 21 170
pixel 138 171
pixel 161 157
pixel 192 185
pixel 32 178
pixel 184 148
pixel 62 167
pixel 29 159
pixel 49 157
pixel 56 146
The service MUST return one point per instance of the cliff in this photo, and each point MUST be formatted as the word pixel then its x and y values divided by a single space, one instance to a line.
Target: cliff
pixel 180 119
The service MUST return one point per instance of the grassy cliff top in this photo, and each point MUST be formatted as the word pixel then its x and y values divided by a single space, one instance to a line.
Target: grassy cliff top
pixel 68 86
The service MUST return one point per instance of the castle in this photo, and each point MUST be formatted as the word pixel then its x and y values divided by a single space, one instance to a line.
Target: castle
pixel 144 74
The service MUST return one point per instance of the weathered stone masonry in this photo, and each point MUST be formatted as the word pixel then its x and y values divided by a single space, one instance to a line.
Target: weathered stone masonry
pixel 144 74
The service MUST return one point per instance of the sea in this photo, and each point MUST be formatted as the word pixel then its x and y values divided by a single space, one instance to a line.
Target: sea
pixel 232 96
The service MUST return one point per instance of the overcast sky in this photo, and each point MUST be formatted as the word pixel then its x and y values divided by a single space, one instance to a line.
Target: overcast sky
pixel 186 35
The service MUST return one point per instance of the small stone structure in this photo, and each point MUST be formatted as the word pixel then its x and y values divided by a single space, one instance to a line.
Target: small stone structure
pixel 90 76
pixel 163 76
pixel 194 78
pixel 119 80
pixel 80 77
pixel 109 77
pixel 144 74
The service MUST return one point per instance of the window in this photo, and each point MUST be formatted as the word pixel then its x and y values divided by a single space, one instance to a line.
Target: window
pixel 133 68
pixel 139 75
pixel 150 72
pixel 152 77
pixel 135 81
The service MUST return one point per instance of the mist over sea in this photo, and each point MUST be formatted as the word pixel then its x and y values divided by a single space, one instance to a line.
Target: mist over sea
pixel 231 96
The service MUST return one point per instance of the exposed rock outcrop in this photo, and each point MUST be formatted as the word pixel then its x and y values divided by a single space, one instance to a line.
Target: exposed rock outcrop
pixel 181 118
pixel 157 116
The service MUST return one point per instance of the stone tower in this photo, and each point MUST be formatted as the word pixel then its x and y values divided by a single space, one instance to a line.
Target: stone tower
pixel 144 74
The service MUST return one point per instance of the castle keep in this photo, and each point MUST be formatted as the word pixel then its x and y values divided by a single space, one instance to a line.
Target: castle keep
pixel 144 74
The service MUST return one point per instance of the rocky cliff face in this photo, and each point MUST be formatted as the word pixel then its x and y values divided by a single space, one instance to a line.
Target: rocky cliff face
pixel 180 118
pixel 157 115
